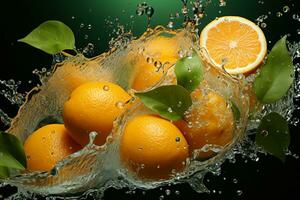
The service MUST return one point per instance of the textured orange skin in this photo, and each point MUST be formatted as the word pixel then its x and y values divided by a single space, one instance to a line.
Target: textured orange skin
pixel 48 145
pixel 207 126
pixel 162 49
pixel 92 108
pixel 151 141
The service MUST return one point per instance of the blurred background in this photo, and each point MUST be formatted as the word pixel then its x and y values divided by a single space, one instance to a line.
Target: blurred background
pixel 96 21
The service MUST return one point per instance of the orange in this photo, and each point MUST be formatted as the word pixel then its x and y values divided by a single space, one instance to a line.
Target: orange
pixel 94 106
pixel 48 145
pixel 152 147
pixel 158 50
pixel 236 42
pixel 209 122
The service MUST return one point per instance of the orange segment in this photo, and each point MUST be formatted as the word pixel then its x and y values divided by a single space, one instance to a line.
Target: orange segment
pixel 236 43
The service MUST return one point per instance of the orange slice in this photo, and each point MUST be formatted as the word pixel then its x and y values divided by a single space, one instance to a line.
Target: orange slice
pixel 234 43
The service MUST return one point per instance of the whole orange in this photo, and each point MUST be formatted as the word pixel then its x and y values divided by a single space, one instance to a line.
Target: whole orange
pixel 209 122
pixel 153 148
pixel 48 145
pixel 158 50
pixel 94 106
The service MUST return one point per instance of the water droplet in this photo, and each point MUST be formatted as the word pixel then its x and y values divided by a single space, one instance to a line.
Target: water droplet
pixel 239 192
pixel 161 197
pixel 170 110
pixel 278 14
pixel 89 27
pixel 177 139
pixel 265 133
pixel 105 87
pixel 73 17
pixel 86 36
pixel 170 24
pixel 235 181
pixel 81 25
pixel 177 192
pixel 157 64
pixel 263 25
pixel 120 104
pixel 286 9
pixel 149 60
pixel 149 11
pixel 168 192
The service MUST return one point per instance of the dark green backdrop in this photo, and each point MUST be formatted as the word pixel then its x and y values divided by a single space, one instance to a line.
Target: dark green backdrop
pixel 268 178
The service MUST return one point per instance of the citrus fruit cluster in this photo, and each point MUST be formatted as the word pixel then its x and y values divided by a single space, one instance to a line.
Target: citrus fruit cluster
pixel 152 147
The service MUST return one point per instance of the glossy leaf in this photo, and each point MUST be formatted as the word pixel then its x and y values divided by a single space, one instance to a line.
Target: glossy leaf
pixel 11 152
pixel 273 135
pixel 51 37
pixel 276 76
pixel 189 72
pixel 169 101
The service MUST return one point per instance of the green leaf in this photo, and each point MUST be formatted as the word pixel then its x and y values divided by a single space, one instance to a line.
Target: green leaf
pixel 235 111
pixel 276 76
pixel 169 101
pixel 273 135
pixel 4 172
pixel 11 152
pixel 166 34
pixel 51 37
pixel 189 72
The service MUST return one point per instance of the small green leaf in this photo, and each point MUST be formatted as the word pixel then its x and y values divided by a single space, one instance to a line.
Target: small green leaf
pixel 189 72
pixel 273 135
pixel 169 101
pixel 11 152
pixel 51 37
pixel 276 76
pixel 235 111
pixel 166 34
pixel 4 172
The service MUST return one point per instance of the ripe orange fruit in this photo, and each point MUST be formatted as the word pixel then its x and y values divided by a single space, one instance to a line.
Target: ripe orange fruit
pixel 48 145
pixel 94 106
pixel 209 122
pixel 236 42
pixel 158 51
pixel 153 147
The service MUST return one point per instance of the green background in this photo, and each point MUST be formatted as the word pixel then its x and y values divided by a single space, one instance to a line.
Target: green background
pixel 266 179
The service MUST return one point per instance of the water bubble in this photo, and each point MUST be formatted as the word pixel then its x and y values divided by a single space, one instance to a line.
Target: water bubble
pixel 89 27
pixel 81 25
pixel 73 17
pixel 170 110
pixel 177 139
pixel 86 36
pixel 177 192
pixel 157 64
pixel 265 133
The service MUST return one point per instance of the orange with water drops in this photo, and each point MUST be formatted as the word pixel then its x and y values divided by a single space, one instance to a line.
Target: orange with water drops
pixel 94 106
pixel 209 122
pixel 48 145
pixel 150 69
pixel 236 43
pixel 153 148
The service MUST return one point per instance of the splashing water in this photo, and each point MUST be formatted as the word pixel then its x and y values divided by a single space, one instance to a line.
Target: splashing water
pixel 98 168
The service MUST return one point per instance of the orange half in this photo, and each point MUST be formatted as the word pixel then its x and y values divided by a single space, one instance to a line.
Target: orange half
pixel 234 43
